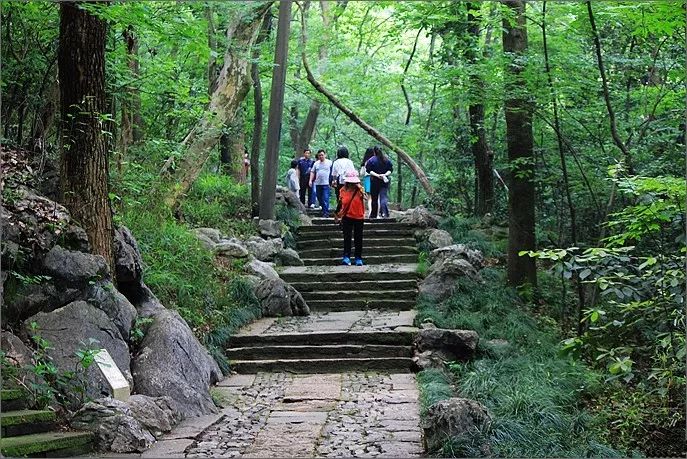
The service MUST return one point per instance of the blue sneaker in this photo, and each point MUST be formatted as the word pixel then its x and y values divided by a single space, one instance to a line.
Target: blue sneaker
pixel 359 262
pixel 346 261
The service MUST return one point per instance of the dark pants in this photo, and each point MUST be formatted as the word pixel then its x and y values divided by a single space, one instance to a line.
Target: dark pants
pixel 349 226
pixel 323 198
pixel 305 188
pixel 379 191
pixel 337 189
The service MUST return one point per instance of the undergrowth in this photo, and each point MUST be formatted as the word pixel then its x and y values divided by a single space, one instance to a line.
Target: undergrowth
pixel 536 398
pixel 185 276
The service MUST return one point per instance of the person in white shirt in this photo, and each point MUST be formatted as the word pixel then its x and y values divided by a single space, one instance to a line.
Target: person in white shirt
pixel 292 181
pixel 319 176
pixel 342 165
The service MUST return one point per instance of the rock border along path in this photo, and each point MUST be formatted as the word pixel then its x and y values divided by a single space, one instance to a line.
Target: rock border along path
pixel 337 383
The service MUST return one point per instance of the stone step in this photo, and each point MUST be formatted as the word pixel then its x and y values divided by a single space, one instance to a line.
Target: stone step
pixel 395 337
pixel 330 305
pixel 390 364
pixel 368 242
pixel 367 233
pixel 334 351
pixel 368 221
pixel 339 273
pixel 344 295
pixel 24 422
pixel 48 444
pixel 12 399
pixel 336 251
pixel 371 260
pixel 384 285
pixel 337 228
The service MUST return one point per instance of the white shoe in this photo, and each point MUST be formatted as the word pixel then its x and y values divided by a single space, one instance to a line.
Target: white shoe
pixel 312 206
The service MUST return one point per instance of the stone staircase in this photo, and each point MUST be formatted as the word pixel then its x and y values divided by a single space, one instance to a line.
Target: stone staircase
pixel 35 433
pixel 361 317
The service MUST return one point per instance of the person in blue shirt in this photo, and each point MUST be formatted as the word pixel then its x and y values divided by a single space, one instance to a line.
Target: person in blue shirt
pixel 304 167
pixel 380 168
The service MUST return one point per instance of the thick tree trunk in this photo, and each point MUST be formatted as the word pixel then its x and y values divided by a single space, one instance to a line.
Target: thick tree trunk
pixel 257 119
pixel 84 170
pixel 521 193
pixel 232 86
pixel 483 160
pixel 269 181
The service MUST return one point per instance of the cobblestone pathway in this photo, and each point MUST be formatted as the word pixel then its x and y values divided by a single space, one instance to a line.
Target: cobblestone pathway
pixel 323 415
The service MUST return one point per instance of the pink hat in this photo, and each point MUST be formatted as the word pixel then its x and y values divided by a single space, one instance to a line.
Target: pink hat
pixel 351 177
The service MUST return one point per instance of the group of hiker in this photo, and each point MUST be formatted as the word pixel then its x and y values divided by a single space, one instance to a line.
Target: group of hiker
pixel 359 191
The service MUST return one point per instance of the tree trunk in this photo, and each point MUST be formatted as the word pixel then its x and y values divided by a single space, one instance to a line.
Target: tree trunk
pixel 232 86
pixel 257 120
pixel 483 160
pixel 269 181
pixel 84 168
pixel 521 194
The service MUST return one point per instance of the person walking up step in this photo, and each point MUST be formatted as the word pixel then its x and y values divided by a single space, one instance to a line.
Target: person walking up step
pixel 352 215
pixel 380 168
pixel 320 177
pixel 304 166
pixel 342 165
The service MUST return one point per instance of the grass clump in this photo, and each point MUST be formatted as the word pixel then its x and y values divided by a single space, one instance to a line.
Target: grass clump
pixel 490 239
pixel 217 201
pixel 537 399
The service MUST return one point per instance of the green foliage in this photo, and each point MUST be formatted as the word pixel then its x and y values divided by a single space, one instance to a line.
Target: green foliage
pixel 536 398
pixel 635 331
pixel 43 381
pixel 138 331
pixel 483 235
pixel 435 385
pixel 291 217
pixel 217 201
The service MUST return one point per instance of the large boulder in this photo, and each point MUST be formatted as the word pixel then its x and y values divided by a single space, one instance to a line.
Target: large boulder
pixel 260 269
pixel 104 296
pixel 454 418
pixel 439 238
pixel 420 217
pixel 288 197
pixel 449 345
pixel 278 299
pixel 269 228
pixel 231 248
pixel 171 361
pixel 72 268
pixel 16 352
pixel 30 299
pixel 67 328
pixel 288 257
pixel 157 414
pixel 212 234
pixel 114 426
pixel 462 251
pixel 448 265
pixel 264 250
pixel 128 261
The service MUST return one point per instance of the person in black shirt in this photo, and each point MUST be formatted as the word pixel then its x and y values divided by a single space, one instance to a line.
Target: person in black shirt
pixel 380 168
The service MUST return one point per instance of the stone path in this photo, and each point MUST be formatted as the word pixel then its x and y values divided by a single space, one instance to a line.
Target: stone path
pixel 311 415
pixel 337 383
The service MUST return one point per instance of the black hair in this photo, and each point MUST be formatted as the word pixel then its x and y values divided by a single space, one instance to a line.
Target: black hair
pixel 321 150
pixel 307 149
pixel 342 152
pixel 380 154
pixel 294 163
pixel 369 153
